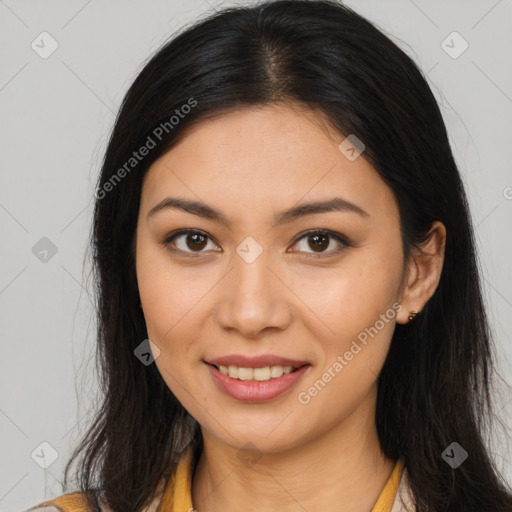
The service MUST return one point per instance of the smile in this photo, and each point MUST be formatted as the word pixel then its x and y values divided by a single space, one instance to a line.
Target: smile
pixel 256 384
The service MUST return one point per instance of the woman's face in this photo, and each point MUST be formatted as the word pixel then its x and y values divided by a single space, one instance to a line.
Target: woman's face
pixel 256 282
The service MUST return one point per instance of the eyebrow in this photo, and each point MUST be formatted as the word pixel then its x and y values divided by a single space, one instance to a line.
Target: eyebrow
pixel 336 204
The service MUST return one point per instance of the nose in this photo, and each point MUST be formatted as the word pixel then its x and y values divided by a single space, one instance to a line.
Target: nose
pixel 253 298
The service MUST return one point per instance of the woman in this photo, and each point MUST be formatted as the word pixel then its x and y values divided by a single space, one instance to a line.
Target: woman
pixel 280 213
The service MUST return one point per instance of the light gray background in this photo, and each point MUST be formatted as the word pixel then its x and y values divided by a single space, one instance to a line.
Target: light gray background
pixel 56 116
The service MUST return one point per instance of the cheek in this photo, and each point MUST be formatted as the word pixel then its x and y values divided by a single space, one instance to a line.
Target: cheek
pixel 354 295
pixel 168 293
pixel 171 300
pixel 356 303
pixel 358 308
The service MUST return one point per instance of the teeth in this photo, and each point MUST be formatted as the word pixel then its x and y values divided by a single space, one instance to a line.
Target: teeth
pixel 245 373
pixel 260 374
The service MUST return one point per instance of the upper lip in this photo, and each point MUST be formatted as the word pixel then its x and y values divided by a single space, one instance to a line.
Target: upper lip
pixel 255 362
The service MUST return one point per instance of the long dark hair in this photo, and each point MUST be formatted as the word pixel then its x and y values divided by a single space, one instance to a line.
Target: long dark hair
pixel 435 386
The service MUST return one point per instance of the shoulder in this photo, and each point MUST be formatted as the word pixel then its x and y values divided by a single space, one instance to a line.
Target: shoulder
pixel 77 502
pixel 72 502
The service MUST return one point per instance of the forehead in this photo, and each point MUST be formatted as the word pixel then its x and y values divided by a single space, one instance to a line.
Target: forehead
pixel 260 157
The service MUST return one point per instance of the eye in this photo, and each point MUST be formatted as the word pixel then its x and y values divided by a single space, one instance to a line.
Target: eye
pixel 319 241
pixel 187 240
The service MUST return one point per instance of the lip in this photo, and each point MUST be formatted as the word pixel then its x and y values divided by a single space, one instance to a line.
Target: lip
pixel 256 391
pixel 255 362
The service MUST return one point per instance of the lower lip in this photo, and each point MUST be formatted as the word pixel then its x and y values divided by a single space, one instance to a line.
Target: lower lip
pixel 253 390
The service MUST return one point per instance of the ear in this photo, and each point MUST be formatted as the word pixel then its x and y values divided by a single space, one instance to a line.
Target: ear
pixel 423 271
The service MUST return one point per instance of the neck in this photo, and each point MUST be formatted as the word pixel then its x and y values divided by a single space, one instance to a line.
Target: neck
pixel 344 466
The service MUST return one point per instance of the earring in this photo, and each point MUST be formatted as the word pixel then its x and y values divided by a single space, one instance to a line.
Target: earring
pixel 412 314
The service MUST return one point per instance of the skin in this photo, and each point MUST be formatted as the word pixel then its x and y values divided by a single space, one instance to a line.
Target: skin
pixel 251 164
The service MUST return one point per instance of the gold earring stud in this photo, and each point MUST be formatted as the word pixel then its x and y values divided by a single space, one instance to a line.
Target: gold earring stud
pixel 412 314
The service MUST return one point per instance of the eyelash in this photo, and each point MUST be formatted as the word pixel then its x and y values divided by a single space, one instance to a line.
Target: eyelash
pixel 336 236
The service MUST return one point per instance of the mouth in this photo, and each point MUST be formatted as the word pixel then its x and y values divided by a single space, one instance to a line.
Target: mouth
pixel 259 384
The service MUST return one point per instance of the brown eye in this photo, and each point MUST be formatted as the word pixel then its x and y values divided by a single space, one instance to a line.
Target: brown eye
pixel 187 241
pixel 321 243
pixel 318 242
pixel 195 241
